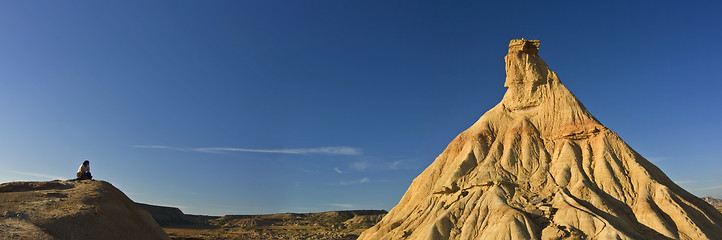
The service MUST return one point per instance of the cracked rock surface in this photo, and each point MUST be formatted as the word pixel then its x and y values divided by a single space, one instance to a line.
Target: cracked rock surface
pixel 539 166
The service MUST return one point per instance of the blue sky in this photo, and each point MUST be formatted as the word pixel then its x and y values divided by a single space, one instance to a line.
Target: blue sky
pixel 246 107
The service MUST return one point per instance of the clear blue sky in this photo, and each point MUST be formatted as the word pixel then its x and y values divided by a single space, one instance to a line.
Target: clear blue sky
pixel 245 107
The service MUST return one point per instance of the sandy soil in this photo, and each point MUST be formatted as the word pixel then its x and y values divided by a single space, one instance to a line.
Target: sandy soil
pixel 72 210
pixel 340 225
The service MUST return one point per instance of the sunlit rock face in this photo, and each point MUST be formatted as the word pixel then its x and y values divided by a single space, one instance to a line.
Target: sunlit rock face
pixel 539 166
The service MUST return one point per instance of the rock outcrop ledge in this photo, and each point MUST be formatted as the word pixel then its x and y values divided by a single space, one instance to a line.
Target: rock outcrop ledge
pixel 72 210
pixel 539 166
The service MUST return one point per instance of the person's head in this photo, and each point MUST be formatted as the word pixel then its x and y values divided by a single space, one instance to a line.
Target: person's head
pixel 86 163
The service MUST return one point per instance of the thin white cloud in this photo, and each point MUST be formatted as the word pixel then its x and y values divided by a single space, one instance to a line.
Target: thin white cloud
pixel 161 147
pixel 360 166
pixel 337 170
pixel 152 146
pixel 321 150
pixel 342 205
pixel 360 181
pixel 395 164
pixel 708 188
pixel 45 176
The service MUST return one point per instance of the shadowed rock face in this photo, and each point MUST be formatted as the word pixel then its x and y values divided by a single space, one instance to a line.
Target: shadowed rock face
pixel 167 216
pixel 539 166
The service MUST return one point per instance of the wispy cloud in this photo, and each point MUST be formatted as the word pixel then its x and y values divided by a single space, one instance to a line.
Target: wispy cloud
pixel 320 150
pixel 337 170
pixel 46 176
pixel 161 147
pixel 376 164
pixel 360 166
pixel 360 181
pixel 342 205
pixel 708 188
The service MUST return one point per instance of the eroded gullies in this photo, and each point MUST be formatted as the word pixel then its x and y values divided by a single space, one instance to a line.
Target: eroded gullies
pixel 539 166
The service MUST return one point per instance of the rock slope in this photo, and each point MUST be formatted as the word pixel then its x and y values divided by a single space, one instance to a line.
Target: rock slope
pixel 72 210
pixel 168 216
pixel 539 166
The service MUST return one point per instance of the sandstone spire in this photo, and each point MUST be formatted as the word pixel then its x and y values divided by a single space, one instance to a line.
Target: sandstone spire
pixel 539 166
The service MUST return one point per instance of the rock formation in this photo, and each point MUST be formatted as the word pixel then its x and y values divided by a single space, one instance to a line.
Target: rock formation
pixel 167 216
pixel 539 166
pixel 72 210
pixel 334 225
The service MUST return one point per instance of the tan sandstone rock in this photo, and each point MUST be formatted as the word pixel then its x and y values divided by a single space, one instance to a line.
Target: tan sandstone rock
pixel 71 210
pixel 539 166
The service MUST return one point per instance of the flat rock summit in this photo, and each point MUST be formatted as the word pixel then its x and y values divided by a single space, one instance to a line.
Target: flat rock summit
pixel 71 209
pixel 539 166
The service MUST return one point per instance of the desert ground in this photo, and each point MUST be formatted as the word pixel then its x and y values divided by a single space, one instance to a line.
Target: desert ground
pixel 325 225
pixel 57 209
pixel 90 209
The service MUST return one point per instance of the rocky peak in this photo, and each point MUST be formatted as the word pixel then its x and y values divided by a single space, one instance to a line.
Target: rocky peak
pixel 523 64
pixel 525 72
pixel 539 166
pixel 524 45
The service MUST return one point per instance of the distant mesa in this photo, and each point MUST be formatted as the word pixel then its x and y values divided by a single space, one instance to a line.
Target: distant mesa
pixel 334 225
pixel 168 216
pixel 538 165
pixel 717 203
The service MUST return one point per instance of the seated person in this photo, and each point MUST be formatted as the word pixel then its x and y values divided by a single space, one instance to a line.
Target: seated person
pixel 84 171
